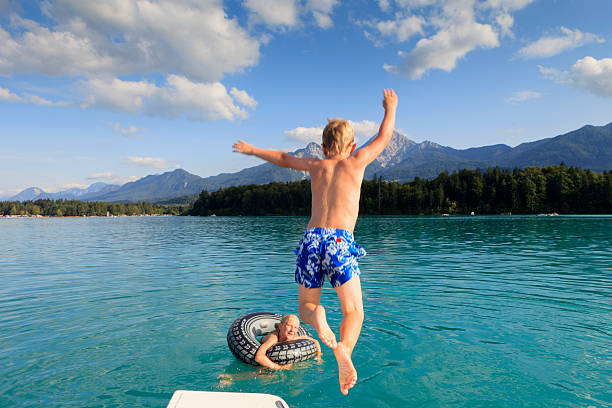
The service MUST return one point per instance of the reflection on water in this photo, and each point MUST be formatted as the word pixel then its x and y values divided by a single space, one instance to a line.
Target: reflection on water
pixel 460 311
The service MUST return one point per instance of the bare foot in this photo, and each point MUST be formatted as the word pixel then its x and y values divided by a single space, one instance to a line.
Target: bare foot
pixel 320 324
pixel 347 375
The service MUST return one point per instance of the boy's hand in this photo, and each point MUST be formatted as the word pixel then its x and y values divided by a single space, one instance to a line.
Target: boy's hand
pixel 243 147
pixel 389 99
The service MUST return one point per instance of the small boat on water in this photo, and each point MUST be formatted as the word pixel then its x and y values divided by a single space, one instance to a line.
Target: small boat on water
pixel 198 399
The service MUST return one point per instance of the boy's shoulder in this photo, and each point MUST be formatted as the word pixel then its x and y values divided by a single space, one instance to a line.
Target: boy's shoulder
pixel 326 161
pixel 346 164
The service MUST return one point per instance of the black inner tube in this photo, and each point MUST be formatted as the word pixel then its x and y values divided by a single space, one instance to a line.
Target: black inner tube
pixel 243 333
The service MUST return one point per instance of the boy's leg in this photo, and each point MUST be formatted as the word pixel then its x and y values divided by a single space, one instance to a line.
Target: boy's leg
pixel 352 312
pixel 352 320
pixel 313 313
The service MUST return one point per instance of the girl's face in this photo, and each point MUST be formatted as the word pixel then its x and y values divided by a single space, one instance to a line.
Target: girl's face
pixel 288 330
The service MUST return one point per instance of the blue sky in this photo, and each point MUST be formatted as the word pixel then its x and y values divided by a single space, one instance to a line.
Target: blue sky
pixel 115 90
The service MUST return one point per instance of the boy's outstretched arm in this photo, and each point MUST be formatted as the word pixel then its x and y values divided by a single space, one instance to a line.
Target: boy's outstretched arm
pixel 274 156
pixel 368 153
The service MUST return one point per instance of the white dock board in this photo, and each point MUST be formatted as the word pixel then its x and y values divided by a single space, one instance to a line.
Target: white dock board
pixel 205 399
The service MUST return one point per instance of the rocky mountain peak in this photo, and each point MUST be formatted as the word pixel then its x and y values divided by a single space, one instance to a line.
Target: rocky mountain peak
pixel 395 151
pixel 311 150
pixel 426 144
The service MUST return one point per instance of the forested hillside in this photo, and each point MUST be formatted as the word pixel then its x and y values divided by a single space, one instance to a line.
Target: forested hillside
pixel 531 190
pixel 73 208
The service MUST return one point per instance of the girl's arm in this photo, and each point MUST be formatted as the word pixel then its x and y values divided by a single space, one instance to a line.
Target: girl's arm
pixel 262 359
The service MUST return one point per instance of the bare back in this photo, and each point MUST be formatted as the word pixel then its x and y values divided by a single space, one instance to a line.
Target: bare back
pixel 336 187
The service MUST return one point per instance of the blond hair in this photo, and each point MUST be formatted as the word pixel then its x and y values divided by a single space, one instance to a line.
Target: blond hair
pixel 337 135
pixel 286 318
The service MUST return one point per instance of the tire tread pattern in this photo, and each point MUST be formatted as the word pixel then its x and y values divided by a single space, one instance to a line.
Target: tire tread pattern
pixel 244 344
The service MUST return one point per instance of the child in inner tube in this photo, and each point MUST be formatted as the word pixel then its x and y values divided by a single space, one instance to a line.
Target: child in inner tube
pixel 287 330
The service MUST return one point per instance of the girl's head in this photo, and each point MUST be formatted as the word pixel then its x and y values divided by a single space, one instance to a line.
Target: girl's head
pixel 288 327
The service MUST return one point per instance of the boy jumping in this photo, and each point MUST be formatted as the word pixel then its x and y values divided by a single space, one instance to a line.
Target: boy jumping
pixel 328 248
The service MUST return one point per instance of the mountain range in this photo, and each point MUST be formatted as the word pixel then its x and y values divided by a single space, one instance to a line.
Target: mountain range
pixel 589 147
pixel 35 193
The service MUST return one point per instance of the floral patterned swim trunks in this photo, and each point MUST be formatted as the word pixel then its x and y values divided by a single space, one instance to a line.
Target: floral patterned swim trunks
pixel 327 252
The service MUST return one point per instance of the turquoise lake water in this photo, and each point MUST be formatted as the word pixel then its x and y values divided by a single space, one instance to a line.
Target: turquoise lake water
pixel 500 311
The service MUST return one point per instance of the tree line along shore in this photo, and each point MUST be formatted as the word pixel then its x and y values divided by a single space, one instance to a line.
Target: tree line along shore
pixel 532 190
pixel 76 208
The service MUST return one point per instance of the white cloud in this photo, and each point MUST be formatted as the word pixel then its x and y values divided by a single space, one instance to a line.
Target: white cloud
pixel 505 21
pixel 445 48
pixel 100 40
pixel 553 45
pixel 195 39
pixel 415 4
pixel 458 33
pixel 288 13
pixel 593 75
pixel 243 98
pixel 129 131
pixel 153 162
pixel 7 95
pixel 113 93
pixel 553 74
pixel 321 10
pixel 110 178
pixel 177 97
pixel 362 129
pixel 71 185
pixel 274 13
pixel 37 100
pixel 506 5
pixel 100 176
pixel 39 50
pixel 450 29
pixel 522 96
pixel 384 5
pixel 401 28
pixel 588 73
pixel 305 135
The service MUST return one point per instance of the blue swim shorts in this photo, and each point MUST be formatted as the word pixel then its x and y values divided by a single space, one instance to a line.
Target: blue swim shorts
pixel 327 252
